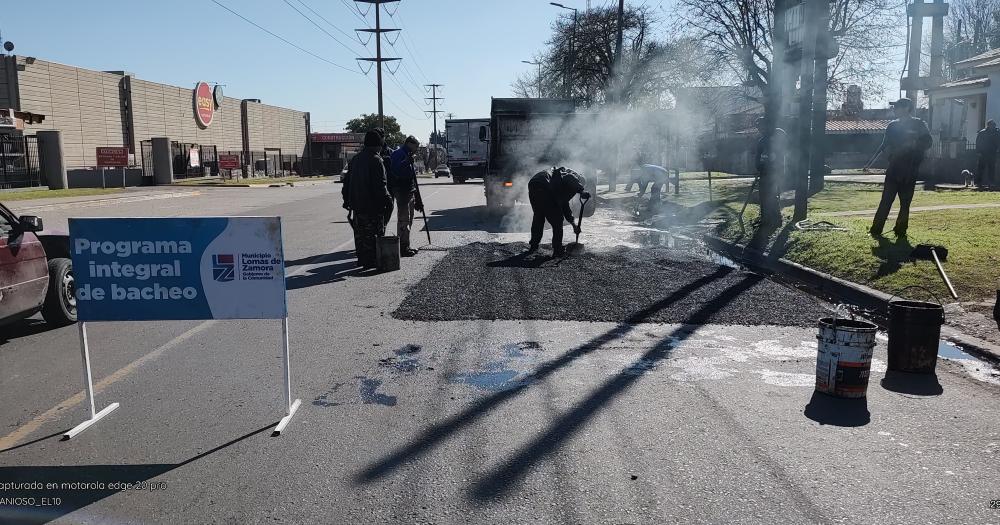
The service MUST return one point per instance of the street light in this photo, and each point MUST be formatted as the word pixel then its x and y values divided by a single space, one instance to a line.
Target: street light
pixel 572 52
pixel 539 64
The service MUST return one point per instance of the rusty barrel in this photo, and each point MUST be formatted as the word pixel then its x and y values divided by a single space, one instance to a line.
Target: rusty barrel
pixel 845 356
pixel 914 336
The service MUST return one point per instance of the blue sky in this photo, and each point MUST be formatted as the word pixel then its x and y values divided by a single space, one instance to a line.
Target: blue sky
pixel 473 47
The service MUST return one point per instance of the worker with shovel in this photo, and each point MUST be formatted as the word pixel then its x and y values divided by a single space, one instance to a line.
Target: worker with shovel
pixel 906 140
pixel 549 193
pixel 404 188
pixel 367 199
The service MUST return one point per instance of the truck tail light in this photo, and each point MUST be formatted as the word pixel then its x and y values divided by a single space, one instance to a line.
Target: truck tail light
pixel 508 184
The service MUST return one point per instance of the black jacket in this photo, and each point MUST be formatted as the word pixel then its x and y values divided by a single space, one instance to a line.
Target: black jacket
pixel 559 188
pixel 365 189
pixel 988 142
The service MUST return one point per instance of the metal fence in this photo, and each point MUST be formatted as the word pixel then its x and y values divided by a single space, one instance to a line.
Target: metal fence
pixel 19 162
pixel 146 149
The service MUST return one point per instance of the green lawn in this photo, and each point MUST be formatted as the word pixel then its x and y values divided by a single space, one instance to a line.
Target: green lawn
pixel 970 235
pixel 7 196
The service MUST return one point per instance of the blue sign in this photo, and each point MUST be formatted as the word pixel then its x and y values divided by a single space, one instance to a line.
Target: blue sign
pixel 178 268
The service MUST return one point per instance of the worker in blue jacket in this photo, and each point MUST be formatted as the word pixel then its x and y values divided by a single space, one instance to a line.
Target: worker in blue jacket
pixel 403 181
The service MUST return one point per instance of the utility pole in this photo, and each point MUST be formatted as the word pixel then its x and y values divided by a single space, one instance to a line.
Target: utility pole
pixel 378 59
pixel 434 98
pixel 568 78
pixel 618 48
pixel 807 84
pixel 539 77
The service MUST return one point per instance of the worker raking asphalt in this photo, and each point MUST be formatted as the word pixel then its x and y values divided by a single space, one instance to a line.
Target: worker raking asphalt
pixel 501 281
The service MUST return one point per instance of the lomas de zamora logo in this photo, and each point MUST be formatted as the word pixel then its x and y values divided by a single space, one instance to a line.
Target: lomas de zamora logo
pixel 223 268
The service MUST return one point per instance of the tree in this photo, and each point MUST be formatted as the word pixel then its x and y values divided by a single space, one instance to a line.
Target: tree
pixel 369 121
pixel 973 27
pixel 437 138
pixel 739 34
pixel 583 67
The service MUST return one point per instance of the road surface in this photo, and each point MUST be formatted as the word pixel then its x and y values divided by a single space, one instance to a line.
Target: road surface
pixel 473 420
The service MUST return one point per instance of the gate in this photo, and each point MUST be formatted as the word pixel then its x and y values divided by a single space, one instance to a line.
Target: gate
pixel 19 162
pixel 147 162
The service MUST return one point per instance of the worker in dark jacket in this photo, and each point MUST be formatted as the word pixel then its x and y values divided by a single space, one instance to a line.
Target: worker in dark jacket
pixel 367 197
pixel 906 140
pixel 549 193
pixel 403 179
pixel 987 145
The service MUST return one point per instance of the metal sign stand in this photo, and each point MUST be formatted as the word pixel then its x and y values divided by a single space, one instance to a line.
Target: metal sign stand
pixel 292 405
pixel 88 383
pixel 290 408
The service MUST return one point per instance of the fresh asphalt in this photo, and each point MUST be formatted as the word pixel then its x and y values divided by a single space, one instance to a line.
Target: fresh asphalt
pixel 471 421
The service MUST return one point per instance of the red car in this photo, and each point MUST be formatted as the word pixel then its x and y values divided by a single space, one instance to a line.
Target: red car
pixel 36 274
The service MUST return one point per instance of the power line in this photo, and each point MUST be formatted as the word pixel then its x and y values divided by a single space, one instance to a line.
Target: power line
pixel 331 24
pixel 313 22
pixel 283 39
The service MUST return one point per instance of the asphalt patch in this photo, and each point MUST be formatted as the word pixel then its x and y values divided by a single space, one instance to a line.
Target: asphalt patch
pixel 627 285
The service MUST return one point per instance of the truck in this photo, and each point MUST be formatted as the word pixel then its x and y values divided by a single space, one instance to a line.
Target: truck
pixel 527 135
pixel 467 151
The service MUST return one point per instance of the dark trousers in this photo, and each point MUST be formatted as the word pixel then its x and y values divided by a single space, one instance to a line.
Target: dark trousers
pixel 367 228
pixel 901 180
pixel 544 208
pixel 986 171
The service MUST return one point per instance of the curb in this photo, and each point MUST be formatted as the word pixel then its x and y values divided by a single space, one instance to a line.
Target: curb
pixel 824 284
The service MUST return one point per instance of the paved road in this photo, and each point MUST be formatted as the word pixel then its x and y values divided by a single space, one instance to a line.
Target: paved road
pixel 472 421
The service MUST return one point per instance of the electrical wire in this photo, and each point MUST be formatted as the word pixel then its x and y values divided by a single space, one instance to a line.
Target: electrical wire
pixel 331 24
pixel 285 40
pixel 313 22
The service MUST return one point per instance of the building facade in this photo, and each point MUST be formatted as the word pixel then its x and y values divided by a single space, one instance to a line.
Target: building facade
pixel 114 108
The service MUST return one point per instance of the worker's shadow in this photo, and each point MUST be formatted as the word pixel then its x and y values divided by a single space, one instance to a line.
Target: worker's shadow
pixel 523 260
pixel 893 253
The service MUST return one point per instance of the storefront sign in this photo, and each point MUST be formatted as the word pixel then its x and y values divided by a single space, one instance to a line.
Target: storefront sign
pixel 145 269
pixel 112 157
pixel 343 138
pixel 204 105
pixel 229 162
pixel 194 158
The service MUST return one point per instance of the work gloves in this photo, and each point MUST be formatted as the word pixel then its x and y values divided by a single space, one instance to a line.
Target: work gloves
pixel 585 195
pixel 419 205
pixel 576 229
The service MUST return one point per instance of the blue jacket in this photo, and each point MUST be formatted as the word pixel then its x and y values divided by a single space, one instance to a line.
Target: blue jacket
pixel 402 176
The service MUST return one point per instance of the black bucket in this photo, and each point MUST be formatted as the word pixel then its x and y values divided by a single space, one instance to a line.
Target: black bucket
pixel 914 336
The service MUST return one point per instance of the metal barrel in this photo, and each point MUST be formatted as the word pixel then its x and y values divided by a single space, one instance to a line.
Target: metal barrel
pixel 914 336
pixel 387 253
pixel 844 359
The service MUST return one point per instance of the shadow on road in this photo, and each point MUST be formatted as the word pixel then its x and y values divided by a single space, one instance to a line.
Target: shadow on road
pixel 522 260
pixel 501 481
pixel 331 273
pixel 315 259
pixel 479 218
pixel 913 384
pixel 26 328
pixel 838 411
pixel 77 486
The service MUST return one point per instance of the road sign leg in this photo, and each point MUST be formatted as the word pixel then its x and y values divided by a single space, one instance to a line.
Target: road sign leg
pixel 292 406
pixel 88 383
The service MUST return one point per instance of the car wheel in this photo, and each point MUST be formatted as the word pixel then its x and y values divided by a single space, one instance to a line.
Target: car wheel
pixel 60 301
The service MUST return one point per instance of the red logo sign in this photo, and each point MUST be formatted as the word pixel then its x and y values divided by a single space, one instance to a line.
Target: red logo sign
pixel 229 162
pixel 112 157
pixel 204 105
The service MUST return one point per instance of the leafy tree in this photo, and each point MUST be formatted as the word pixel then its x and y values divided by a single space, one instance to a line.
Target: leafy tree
pixel 740 35
pixel 437 138
pixel 583 67
pixel 369 121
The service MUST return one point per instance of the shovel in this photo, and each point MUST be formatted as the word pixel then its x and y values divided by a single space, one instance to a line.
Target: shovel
pixel 930 252
pixel 579 223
